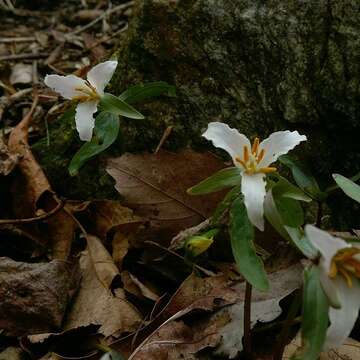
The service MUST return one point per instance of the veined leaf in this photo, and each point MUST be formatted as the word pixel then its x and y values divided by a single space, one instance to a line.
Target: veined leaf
pixel 303 177
pixel 351 189
pixel 293 234
pixel 222 179
pixel 315 318
pixel 142 92
pixel 286 189
pixel 225 205
pixel 290 211
pixel 117 106
pixel 242 237
pixel 106 130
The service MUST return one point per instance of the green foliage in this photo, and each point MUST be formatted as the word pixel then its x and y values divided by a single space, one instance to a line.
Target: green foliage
pixel 117 106
pixel 242 237
pixel 314 316
pixel 143 92
pixel 303 178
pixel 348 187
pixel 225 205
pixel 283 214
pixel 286 189
pixel 106 131
pixel 224 178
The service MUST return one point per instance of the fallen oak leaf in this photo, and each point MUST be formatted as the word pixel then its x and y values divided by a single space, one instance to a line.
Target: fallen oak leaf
pixel 155 185
pixel 36 195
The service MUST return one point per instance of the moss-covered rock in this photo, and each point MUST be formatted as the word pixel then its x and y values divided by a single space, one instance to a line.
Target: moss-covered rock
pixel 257 65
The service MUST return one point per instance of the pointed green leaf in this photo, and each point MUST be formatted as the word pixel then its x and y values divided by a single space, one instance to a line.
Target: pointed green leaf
pixel 106 130
pixel 315 319
pixel 225 205
pixel 302 176
pixel 293 234
pixel 222 179
pixel 116 106
pixel 290 211
pixel 242 237
pixel 285 188
pixel 142 92
pixel 348 187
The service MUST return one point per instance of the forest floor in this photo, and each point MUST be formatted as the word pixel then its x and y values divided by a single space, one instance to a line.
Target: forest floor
pixel 79 279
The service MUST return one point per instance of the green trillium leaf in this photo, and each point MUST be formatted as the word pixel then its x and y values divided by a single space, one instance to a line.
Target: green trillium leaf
pixel 350 188
pixel 315 319
pixel 106 131
pixel 222 179
pixel 242 236
pixel 117 106
pixel 146 91
pixel 303 178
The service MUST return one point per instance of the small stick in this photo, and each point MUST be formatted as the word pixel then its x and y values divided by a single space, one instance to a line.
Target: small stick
pixel 17 39
pixel 165 135
pixel 24 56
pixel 247 321
pixel 99 18
pixel 52 212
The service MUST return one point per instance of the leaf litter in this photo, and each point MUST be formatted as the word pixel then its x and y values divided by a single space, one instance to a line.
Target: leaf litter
pixel 88 273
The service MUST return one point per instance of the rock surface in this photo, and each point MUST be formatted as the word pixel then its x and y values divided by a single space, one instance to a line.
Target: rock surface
pixel 258 66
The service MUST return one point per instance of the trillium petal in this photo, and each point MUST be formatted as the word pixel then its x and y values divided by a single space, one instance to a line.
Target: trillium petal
pixel 330 289
pixel 65 85
pixel 84 119
pixel 253 189
pixel 343 319
pixel 277 144
pixel 100 75
pixel 226 138
pixel 327 245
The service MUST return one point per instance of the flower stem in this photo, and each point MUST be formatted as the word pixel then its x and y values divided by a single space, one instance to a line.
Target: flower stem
pixel 319 214
pixel 284 335
pixel 247 321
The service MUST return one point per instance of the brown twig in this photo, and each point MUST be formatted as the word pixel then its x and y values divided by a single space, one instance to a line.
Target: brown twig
pixel 7 101
pixel 24 56
pixel 17 39
pixel 247 321
pixel 99 18
pixel 58 207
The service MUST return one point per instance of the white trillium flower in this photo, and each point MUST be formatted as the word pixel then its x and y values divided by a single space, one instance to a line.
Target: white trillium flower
pixel 253 161
pixel 87 92
pixel 340 272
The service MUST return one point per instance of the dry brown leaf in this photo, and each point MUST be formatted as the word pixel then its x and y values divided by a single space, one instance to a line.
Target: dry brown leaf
pixel 350 350
pixel 34 297
pixel 8 161
pixel 155 186
pixel 12 353
pixel 32 193
pixel 106 217
pixel 96 305
pixel 134 286
pixel 21 74
pixel 104 267
pixel 224 328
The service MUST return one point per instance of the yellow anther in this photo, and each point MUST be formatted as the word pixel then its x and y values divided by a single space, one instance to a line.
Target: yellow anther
pixel 261 155
pixel 255 146
pixel 246 154
pixel 346 276
pixel 267 170
pixel 333 270
pixel 237 159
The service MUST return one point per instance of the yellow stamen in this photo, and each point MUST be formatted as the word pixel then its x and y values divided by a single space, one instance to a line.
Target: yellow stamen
pixel 261 155
pixel 333 270
pixel 246 154
pixel 255 146
pixel 240 161
pixel 346 276
pixel 267 170
pixel 81 98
